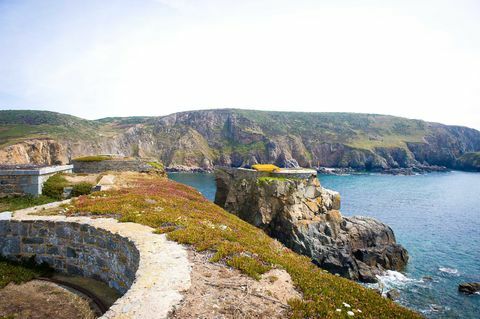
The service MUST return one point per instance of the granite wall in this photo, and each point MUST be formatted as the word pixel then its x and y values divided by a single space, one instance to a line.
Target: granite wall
pixel 72 248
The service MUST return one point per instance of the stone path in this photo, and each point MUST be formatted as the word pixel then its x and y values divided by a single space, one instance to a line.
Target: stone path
pixel 163 274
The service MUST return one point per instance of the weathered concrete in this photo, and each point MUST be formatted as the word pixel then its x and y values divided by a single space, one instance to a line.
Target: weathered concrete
pixel 118 165
pixel 21 181
pixel 162 270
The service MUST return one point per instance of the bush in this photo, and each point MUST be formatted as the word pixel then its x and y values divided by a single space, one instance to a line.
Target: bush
pixel 83 188
pixel 53 187
pixel 156 165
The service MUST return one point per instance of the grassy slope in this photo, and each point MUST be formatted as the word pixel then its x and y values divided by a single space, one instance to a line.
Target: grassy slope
pixel 189 218
pixel 24 124
pixel 357 130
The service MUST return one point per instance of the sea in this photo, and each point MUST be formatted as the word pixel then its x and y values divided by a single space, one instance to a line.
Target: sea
pixel 435 216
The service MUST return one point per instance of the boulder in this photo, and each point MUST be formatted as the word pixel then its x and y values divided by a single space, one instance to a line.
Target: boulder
pixel 469 287
pixel 305 217
pixel 393 294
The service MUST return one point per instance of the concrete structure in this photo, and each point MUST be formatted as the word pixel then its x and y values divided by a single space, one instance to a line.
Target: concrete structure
pixel 117 165
pixel 21 180
pixel 151 272
pixel 302 173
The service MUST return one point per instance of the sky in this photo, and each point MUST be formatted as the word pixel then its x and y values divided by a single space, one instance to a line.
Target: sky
pixel 92 58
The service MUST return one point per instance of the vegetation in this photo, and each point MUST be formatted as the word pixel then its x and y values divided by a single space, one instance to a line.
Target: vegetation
pixel 21 202
pixel 93 158
pixel 266 168
pixel 213 136
pixel 20 272
pixel 188 218
pixel 82 188
pixel 53 187
pixel 156 165
pixel 469 161
pixel 269 180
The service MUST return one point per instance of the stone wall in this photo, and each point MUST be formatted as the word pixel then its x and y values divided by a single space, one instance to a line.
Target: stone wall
pixel 111 165
pixel 72 248
pixel 18 181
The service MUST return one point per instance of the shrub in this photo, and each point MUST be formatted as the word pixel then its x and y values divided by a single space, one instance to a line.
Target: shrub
pixel 93 158
pixel 53 187
pixel 156 165
pixel 266 167
pixel 83 188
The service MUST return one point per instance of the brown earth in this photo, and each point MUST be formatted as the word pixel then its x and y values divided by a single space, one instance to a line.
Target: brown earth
pixel 218 291
pixel 40 300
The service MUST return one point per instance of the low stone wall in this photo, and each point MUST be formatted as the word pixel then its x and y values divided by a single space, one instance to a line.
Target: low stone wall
pixel 151 271
pixel 18 181
pixel 72 248
pixel 110 165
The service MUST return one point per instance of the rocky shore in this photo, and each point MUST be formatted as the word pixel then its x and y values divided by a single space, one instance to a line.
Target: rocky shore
pixel 305 217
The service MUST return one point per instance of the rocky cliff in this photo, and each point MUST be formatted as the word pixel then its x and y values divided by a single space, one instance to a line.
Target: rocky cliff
pixel 306 217
pixel 230 137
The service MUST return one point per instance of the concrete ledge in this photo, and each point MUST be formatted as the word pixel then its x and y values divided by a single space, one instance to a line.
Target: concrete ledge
pixel 36 171
pixel 163 271
pixel 302 173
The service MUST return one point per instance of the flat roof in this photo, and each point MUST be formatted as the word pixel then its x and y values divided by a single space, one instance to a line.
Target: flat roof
pixel 32 169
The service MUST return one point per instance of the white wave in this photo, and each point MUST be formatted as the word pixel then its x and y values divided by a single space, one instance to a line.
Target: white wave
pixel 451 271
pixel 392 279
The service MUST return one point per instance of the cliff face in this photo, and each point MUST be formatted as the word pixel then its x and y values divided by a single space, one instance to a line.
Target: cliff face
pixel 241 138
pixel 305 217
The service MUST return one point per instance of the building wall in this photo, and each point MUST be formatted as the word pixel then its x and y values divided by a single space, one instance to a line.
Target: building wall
pixel 110 165
pixel 27 181
pixel 72 248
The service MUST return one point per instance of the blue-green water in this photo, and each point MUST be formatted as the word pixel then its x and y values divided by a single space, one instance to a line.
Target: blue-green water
pixel 436 217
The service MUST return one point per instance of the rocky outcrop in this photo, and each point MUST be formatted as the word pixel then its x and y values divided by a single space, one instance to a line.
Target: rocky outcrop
pixel 469 288
pixel 35 151
pixel 469 162
pixel 306 217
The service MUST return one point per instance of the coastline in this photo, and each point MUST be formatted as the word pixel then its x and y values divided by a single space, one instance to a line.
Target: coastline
pixel 407 171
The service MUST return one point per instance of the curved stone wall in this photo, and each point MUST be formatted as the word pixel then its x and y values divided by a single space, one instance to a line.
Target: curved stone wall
pixel 72 248
pixel 150 270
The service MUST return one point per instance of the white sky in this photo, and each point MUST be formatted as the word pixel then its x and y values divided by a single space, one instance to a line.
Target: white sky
pixel 93 58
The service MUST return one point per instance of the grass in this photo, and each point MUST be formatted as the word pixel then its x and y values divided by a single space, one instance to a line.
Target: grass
pixel 93 158
pixel 156 165
pixel 188 218
pixel 21 202
pixel 20 272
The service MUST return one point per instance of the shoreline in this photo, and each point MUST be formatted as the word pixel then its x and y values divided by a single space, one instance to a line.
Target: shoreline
pixel 404 171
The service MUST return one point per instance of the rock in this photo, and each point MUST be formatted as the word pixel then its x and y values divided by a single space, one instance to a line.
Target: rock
pixel 469 287
pixel 393 294
pixel 305 217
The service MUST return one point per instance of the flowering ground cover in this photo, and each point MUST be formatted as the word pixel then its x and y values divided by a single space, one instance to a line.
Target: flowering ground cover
pixel 188 218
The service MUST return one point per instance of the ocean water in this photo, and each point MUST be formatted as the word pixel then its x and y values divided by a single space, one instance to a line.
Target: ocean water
pixel 435 216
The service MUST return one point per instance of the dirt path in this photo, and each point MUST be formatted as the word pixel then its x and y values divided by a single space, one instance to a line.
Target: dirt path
pixel 219 291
